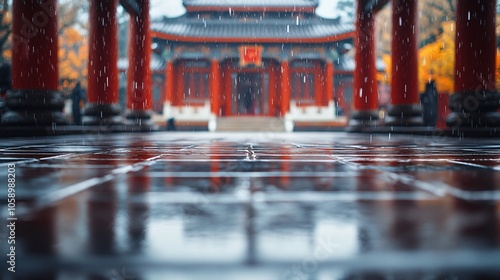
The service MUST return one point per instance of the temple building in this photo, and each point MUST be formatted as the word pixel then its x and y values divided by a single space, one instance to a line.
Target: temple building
pixel 271 58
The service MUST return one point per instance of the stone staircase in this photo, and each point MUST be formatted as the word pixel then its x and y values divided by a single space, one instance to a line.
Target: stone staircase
pixel 253 123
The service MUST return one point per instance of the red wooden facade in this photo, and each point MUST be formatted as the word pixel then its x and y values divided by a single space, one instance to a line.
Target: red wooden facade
pixel 291 65
pixel 239 68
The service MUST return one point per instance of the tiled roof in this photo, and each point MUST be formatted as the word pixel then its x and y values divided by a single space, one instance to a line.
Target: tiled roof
pixel 252 3
pixel 266 30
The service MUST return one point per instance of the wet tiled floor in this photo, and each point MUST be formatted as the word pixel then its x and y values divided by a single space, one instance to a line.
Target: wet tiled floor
pixel 253 206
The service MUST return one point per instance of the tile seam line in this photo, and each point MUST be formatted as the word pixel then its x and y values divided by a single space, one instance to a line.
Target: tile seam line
pixel 51 198
pixel 445 188
pixel 469 164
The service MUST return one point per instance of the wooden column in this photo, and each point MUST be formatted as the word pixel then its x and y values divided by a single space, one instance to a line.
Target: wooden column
pixel 272 89
pixel 405 109
pixel 285 88
pixel 102 106
pixel 475 101
pixel 169 80
pixel 34 98
pixel 329 95
pixel 215 87
pixel 365 95
pixel 319 94
pixel 226 96
pixel 139 91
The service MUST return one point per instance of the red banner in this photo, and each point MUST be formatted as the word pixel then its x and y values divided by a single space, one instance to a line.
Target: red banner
pixel 250 55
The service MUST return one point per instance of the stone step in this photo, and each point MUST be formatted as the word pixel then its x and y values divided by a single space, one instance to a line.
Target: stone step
pixel 267 124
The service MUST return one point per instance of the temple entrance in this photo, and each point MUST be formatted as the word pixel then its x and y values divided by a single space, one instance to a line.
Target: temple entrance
pixel 250 93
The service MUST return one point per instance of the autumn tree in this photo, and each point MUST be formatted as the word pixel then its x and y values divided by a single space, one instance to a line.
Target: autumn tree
pixel 73 57
pixel 437 59
pixel 5 27
pixel 432 14
pixel 437 45
pixel 73 46
pixel 68 16
pixel 69 11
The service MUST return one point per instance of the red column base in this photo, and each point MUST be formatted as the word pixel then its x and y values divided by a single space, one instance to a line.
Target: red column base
pixel 360 120
pixel 474 109
pixel 102 114
pixel 404 115
pixel 34 108
pixel 139 118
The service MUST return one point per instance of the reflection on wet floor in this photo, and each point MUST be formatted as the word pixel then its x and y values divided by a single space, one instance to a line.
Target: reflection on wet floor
pixel 247 206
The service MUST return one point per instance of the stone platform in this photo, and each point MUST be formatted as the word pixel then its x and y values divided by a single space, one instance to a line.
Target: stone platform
pixel 253 206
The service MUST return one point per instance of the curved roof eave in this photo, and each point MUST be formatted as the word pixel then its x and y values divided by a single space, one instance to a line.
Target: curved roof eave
pixel 271 30
pixel 304 40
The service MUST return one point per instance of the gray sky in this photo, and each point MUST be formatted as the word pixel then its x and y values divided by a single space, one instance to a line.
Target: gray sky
pixel 173 8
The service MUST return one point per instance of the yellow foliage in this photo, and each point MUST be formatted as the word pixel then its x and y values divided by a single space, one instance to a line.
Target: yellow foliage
pixel 436 60
pixel 73 56
pixel 7 54
pixel 388 70
pixel 5 27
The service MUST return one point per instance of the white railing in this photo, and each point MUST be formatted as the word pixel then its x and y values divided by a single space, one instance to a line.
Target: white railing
pixel 311 113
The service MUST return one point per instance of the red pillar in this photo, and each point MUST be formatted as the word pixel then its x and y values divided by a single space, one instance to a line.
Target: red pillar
pixel 405 109
pixel 285 87
pixel 475 100
pixel 272 90
pixel 329 96
pixel 139 91
pixel 228 89
pixel 365 96
pixel 34 98
pixel 102 106
pixel 319 94
pixel 169 78
pixel 215 92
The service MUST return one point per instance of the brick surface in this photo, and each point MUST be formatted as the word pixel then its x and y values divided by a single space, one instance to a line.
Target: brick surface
pixel 254 206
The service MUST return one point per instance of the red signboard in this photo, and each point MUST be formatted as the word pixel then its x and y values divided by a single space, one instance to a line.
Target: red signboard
pixel 250 55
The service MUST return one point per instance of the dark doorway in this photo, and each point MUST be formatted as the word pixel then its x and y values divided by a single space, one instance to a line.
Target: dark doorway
pixel 248 94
